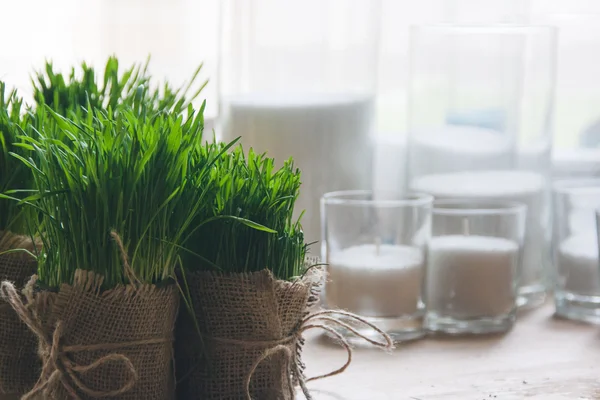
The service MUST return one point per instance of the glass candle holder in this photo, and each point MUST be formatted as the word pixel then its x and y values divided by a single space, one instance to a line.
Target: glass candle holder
pixel 303 90
pixel 577 275
pixel 375 252
pixel 472 265
pixel 480 106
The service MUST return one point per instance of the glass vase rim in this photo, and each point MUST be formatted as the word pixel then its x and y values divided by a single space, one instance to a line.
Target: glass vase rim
pixel 567 185
pixel 484 28
pixel 571 15
pixel 350 198
pixel 481 206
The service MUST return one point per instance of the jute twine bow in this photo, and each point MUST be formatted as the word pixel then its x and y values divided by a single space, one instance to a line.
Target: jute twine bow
pixel 316 320
pixel 58 367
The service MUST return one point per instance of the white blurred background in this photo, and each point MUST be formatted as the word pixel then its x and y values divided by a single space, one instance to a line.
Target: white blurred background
pixel 179 34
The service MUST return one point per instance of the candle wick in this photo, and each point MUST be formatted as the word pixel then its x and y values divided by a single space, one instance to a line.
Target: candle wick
pixel 465 227
pixel 377 245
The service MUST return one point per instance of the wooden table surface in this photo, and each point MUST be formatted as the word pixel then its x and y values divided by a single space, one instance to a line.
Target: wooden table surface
pixel 541 358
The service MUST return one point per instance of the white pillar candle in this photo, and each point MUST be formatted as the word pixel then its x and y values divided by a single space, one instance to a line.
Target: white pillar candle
pixel 459 148
pixel 376 281
pixel 389 164
pixel 471 276
pixel 582 201
pixel 328 137
pixel 522 186
pixel 582 220
pixel 581 162
pixel 578 267
pixel 519 186
pixel 535 157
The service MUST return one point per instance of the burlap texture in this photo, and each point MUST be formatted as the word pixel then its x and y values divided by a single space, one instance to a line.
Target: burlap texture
pixel 240 316
pixel 19 363
pixel 135 322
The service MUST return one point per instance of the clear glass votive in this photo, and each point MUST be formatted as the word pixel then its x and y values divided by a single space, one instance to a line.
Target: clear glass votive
pixel 473 261
pixel 375 251
pixel 577 275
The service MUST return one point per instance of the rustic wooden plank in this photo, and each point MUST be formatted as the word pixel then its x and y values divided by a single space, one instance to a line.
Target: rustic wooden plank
pixel 541 358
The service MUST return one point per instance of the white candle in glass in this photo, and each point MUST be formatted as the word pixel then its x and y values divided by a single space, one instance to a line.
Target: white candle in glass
pixel 578 264
pixel 328 136
pixel 459 148
pixel 471 276
pixel 580 162
pixel 582 203
pixel 534 157
pixel 519 186
pixel 376 280
pixel 389 164
pixel 523 186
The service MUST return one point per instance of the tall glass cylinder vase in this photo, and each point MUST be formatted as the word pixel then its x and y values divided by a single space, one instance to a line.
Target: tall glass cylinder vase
pixel 576 152
pixel 480 104
pixel 297 80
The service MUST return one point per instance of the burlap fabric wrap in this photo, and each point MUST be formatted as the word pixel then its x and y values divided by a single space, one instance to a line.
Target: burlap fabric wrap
pixel 233 311
pixel 116 343
pixel 19 363
pixel 251 329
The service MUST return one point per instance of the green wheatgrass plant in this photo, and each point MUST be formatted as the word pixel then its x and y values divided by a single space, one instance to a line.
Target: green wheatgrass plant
pixel 15 177
pixel 71 95
pixel 129 172
pixel 251 188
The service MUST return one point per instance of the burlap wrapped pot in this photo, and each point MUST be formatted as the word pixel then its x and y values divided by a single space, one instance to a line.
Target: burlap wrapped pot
pixel 250 340
pixel 19 362
pixel 115 343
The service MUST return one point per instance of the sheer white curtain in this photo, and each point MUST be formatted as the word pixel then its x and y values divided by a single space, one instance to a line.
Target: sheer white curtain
pixel 31 31
pixel 178 34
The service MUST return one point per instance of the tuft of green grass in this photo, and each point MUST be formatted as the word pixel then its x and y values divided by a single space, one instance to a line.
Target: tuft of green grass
pixel 128 172
pixel 118 156
pixel 249 188
pixel 15 177
pixel 86 88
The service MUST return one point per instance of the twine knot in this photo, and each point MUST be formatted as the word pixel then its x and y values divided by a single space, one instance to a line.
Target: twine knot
pixel 58 367
pixel 294 367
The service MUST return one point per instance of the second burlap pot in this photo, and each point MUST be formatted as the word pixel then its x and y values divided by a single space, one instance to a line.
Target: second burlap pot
pixel 116 343
pixel 251 327
pixel 19 362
